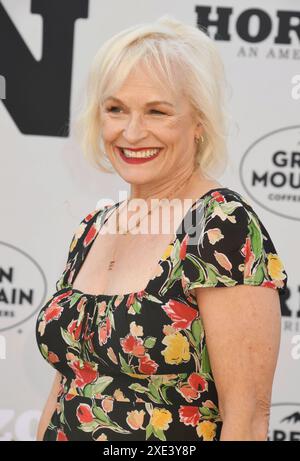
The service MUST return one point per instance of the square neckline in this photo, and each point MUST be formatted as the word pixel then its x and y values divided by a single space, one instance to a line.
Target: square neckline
pixel 157 265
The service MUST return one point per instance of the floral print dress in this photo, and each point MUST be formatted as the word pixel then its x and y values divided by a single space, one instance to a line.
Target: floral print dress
pixel 135 366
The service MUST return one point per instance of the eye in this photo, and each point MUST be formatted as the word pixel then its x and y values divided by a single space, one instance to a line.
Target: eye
pixel 111 108
pixel 157 111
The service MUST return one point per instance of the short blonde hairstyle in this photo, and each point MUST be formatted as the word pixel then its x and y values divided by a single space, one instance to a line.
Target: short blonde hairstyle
pixel 165 46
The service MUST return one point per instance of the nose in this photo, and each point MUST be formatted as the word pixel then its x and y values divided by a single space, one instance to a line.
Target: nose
pixel 135 129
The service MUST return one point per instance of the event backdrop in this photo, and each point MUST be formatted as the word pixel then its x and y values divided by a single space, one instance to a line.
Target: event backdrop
pixel 47 187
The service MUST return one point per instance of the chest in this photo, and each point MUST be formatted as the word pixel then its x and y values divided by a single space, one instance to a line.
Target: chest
pixel 118 264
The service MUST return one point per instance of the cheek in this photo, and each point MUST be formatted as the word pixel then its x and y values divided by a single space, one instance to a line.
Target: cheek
pixel 109 130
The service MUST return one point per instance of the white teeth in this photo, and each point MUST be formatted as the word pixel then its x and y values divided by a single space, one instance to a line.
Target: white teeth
pixel 140 154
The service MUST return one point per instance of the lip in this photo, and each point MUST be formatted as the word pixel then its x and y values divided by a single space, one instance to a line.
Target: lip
pixel 135 149
pixel 134 161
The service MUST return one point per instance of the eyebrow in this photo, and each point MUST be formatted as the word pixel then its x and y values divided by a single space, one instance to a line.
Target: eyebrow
pixel 151 103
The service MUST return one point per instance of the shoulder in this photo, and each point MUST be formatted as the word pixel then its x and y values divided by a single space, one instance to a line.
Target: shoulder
pixel 231 211
pixel 87 228
pixel 228 244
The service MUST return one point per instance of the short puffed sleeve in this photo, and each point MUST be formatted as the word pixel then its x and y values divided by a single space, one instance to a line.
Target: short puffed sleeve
pixel 228 245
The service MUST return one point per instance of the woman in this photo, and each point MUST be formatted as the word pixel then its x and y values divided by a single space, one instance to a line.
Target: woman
pixel 141 350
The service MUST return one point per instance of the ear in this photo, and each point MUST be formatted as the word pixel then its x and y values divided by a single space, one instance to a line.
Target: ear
pixel 199 129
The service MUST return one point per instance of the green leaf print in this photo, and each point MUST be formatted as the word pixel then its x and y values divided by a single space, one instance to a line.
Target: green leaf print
pixel 149 431
pixel 191 338
pixel 138 388
pixel 258 276
pixel 44 350
pixel 97 387
pixel 88 427
pixel 197 330
pixel 227 281
pixel 204 411
pixel 136 305
pixel 153 299
pixel 125 368
pixel 160 434
pixel 205 365
pixel 155 393
pixel 150 342
pixel 68 338
pixel 163 391
pixel 101 415
pixel 150 391
pixel 74 299
pixel 212 273
pixel 175 252
pixel 197 263
pixel 228 208
pixel 255 237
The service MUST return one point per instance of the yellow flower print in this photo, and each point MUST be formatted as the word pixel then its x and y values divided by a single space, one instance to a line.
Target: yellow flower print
pixel 161 418
pixel 135 375
pixel 169 330
pixel 77 236
pixel 118 395
pixel 275 267
pixel 167 252
pixel 177 349
pixel 206 430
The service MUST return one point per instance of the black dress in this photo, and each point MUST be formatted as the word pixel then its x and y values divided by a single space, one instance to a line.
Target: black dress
pixel 135 366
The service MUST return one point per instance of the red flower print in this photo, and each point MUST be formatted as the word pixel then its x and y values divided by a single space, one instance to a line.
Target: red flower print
pixel 58 298
pixel 182 251
pixel 181 314
pixel 90 235
pixel 197 382
pixel 132 345
pixel 53 312
pixel 61 436
pixel 74 330
pixel 130 300
pixel 249 257
pixel 84 374
pixel 53 358
pixel 90 215
pixel 269 284
pixel 84 413
pixel 147 366
pixel 188 392
pixel 189 415
pixel 104 331
pixel 218 197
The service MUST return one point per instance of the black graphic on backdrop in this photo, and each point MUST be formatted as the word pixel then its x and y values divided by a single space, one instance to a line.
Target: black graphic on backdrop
pixel 38 92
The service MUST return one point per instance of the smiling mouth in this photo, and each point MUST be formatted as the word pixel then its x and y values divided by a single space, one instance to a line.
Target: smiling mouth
pixel 144 153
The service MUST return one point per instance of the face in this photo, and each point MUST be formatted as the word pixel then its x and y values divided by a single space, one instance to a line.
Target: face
pixel 165 129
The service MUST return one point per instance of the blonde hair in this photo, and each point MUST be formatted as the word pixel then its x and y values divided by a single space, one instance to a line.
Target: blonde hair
pixel 164 46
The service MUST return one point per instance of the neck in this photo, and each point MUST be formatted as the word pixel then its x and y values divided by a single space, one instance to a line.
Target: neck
pixel 185 181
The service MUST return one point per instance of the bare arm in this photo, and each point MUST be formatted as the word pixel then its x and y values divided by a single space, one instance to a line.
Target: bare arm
pixel 49 407
pixel 242 325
